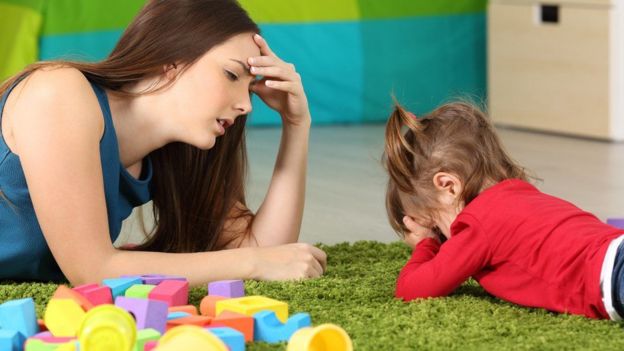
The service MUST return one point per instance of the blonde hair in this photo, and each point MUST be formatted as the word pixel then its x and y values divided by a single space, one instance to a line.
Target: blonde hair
pixel 456 138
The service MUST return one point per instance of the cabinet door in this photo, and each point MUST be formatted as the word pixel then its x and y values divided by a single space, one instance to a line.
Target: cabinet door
pixel 550 72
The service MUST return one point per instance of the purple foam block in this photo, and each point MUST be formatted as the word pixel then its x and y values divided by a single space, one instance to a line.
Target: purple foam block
pixel 155 279
pixel 616 222
pixel 147 313
pixel 227 288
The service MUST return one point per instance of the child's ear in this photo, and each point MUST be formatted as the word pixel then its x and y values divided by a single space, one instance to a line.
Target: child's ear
pixel 447 183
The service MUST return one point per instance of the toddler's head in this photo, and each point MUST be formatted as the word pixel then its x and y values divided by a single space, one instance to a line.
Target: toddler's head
pixel 437 164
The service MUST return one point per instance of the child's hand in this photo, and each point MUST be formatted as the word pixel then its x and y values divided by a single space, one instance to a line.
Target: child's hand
pixel 281 88
pixel 416 232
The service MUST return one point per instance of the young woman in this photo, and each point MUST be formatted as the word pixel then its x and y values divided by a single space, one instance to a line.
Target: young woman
pixel 161 119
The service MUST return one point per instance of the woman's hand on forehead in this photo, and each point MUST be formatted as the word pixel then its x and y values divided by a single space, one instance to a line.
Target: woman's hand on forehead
pixel 280 85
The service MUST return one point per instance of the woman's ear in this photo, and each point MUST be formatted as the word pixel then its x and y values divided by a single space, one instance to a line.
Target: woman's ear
pixel 448 184
pixel 170 71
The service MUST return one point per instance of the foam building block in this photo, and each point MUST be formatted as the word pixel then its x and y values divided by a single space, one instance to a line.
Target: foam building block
pixel 19 315
pixel 190 309
pixel 63 317
pixel 139 291
pixel 155 279
pixel 150 345
pixel 39 345
pixel 251 305
pixel 173 292
pixel 176 315
pixel 48 344
pixel 227 288
pixel 49 338
pixel 42 326
pixel 241 322
pixel 616 222
pixel 119 286
pixel 190 337
pixel 200 321
pixel 147 313
pixel 11 340
pixel 325 337
pixel 232 338
pixel 96 294
pixel 144 336
pixel 208 305
pixel 64 292
pixel 269 329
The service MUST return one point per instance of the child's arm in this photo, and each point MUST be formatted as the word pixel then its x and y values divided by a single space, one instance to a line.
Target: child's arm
pixel 437 270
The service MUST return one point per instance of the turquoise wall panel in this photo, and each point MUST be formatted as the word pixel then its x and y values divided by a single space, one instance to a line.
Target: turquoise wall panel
pixel 422 61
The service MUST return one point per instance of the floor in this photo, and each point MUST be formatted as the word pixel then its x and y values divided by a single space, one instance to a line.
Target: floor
pixel 346 182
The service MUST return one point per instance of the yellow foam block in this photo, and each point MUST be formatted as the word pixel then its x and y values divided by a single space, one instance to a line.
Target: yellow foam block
pixel 325 337
pixel 63 317
pixel 249 305
pixel 190 337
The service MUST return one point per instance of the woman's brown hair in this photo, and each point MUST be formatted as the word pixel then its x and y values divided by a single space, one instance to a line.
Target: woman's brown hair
pixel 194 191
pixel 456 138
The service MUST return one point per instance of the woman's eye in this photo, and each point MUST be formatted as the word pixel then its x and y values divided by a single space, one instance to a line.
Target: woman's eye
pixel 231 76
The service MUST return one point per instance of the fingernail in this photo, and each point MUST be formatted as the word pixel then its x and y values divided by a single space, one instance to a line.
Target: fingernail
pixel 253 69
pixel 268 83
pixel 251 60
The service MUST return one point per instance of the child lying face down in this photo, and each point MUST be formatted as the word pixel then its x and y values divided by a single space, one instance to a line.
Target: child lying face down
pixel 468 210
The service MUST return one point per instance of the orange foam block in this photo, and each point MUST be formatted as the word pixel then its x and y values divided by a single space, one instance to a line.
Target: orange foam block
pixel 208 305
pixel 64 292
pixel 173 292
pixel 190 309
pixel 200 321
pixel 241 322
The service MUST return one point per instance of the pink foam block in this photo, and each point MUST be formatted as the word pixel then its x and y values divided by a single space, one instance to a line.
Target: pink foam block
pixel 150 345
pixel 97 295
pixel 173 292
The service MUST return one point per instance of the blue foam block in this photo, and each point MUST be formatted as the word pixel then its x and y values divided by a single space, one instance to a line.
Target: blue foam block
pixel 270 329
pixel 11 340
pixel 19 315
pixel 234 339
pixel 119 286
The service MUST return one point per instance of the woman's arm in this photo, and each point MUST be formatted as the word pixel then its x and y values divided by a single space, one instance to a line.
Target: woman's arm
pixel 278 220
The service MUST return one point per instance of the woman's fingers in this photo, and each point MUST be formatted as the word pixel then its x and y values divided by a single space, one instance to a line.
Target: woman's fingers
pixel 263 45
pixel 263 61
pixel 285 86
pixel 279 72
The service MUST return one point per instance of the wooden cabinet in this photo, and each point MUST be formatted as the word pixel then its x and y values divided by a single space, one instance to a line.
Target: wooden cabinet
pixel 558 66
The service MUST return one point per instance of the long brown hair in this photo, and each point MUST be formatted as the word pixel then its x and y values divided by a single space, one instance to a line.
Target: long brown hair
pixel 194 192
pixel 456 138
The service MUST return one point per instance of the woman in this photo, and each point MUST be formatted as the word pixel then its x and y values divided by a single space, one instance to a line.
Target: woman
pixel 161 118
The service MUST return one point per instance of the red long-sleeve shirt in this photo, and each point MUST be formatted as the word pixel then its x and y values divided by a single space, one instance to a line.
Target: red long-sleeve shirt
pixel 522 246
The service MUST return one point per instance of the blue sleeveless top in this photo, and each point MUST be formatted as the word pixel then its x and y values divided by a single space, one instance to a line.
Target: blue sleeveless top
pixel 24 254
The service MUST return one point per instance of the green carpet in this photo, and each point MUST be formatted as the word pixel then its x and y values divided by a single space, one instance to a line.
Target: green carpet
pixel 357 294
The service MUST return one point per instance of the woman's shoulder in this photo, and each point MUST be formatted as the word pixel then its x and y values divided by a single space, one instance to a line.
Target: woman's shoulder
pixel 53 83
pixel 58 98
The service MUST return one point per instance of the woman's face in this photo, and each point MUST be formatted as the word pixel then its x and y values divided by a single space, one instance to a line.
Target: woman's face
pixel 208 97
